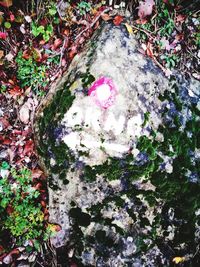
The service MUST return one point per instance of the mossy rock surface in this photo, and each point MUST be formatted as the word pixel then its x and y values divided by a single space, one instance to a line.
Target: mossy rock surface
pixel 120 177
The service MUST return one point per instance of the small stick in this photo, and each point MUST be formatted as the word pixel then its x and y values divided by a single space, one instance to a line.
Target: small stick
pixel 145 31
pixel 93 23
pixel 62 52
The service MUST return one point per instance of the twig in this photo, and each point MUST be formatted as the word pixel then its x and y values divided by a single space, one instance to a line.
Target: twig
pixel 93 23
pixel 160 65
pixel 58 9
pixel 62 52
pixel 145 31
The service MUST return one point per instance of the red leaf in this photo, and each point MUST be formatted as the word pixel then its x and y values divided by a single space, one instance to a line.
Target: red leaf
pixel 73 51
pixel 26 54
pixel 12 17
pixel 7 141
pixel 118 20
pixel 57 43
pixel 29 146
pixel 16 91
pixel 3 35
pixel 150 50
pixel 43 203
pixel 9 209
pixel 141 21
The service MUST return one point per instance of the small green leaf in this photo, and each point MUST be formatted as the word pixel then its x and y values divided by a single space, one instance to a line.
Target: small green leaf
pixel 7 25
pixel 52 11
pixel 5 165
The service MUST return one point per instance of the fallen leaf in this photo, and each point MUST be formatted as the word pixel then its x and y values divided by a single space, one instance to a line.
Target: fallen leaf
pixel 22 29
pixel 3 35
pixel 145 8
pixel 7 259
pixel 1 249
pixel 105 17
pixel 57 43
pixel 9 209
pixel 118 20
pixel 6 3
pixel 54 227
pixel 141 21
pixel 12 17
pixel 178 260
pixel 38 186
pixel 29 146
pixel 73 51
pixel 1 53
pixel 26 54
pixel 129 28
pixel 150 50
pixel 165 44
pixel 28 19
pixel 43 203
pixel 15 91
pixel 180 18
pixel 168 72
pixel 36 173
pixel 37 54
pixel 4 122
pixel 9 56
pixel 24 113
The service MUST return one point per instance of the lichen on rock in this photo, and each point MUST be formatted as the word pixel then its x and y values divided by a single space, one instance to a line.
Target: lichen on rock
pixel 108 137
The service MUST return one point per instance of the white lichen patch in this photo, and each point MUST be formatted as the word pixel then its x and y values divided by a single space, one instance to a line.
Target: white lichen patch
pixel 101 133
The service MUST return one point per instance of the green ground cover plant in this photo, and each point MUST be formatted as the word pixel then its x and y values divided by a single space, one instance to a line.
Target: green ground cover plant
pixel 30 73
pixel 20 210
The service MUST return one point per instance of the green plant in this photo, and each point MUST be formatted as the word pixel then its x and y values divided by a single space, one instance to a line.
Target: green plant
pixel 46 32
pixel 2 89
pixel 19 206
pixel 170 60
pixel 52 9
pixel 84 7
pixel 162 24
pixel 29 73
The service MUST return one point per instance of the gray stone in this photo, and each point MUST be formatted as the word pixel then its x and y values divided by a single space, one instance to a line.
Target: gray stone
pixel 87 149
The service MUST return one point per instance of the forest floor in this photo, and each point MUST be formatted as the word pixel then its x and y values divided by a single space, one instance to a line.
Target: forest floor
pixel 37 43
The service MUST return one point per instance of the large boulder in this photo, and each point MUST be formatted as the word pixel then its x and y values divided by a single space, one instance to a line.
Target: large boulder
pixel 101 137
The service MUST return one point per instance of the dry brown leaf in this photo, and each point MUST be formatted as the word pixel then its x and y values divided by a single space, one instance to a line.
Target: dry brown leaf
pixel 6 3
pixel 57 43
pixel 150 50
pixel 1 53
pixel 105 17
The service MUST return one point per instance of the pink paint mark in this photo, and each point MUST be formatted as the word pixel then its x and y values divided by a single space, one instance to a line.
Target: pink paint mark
pixel 103 92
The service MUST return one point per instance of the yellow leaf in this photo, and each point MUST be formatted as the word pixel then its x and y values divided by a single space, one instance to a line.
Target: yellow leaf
pixel 129 28
pixel 1 53
pixel 178 260
pixel 54 228
pixel 74 86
